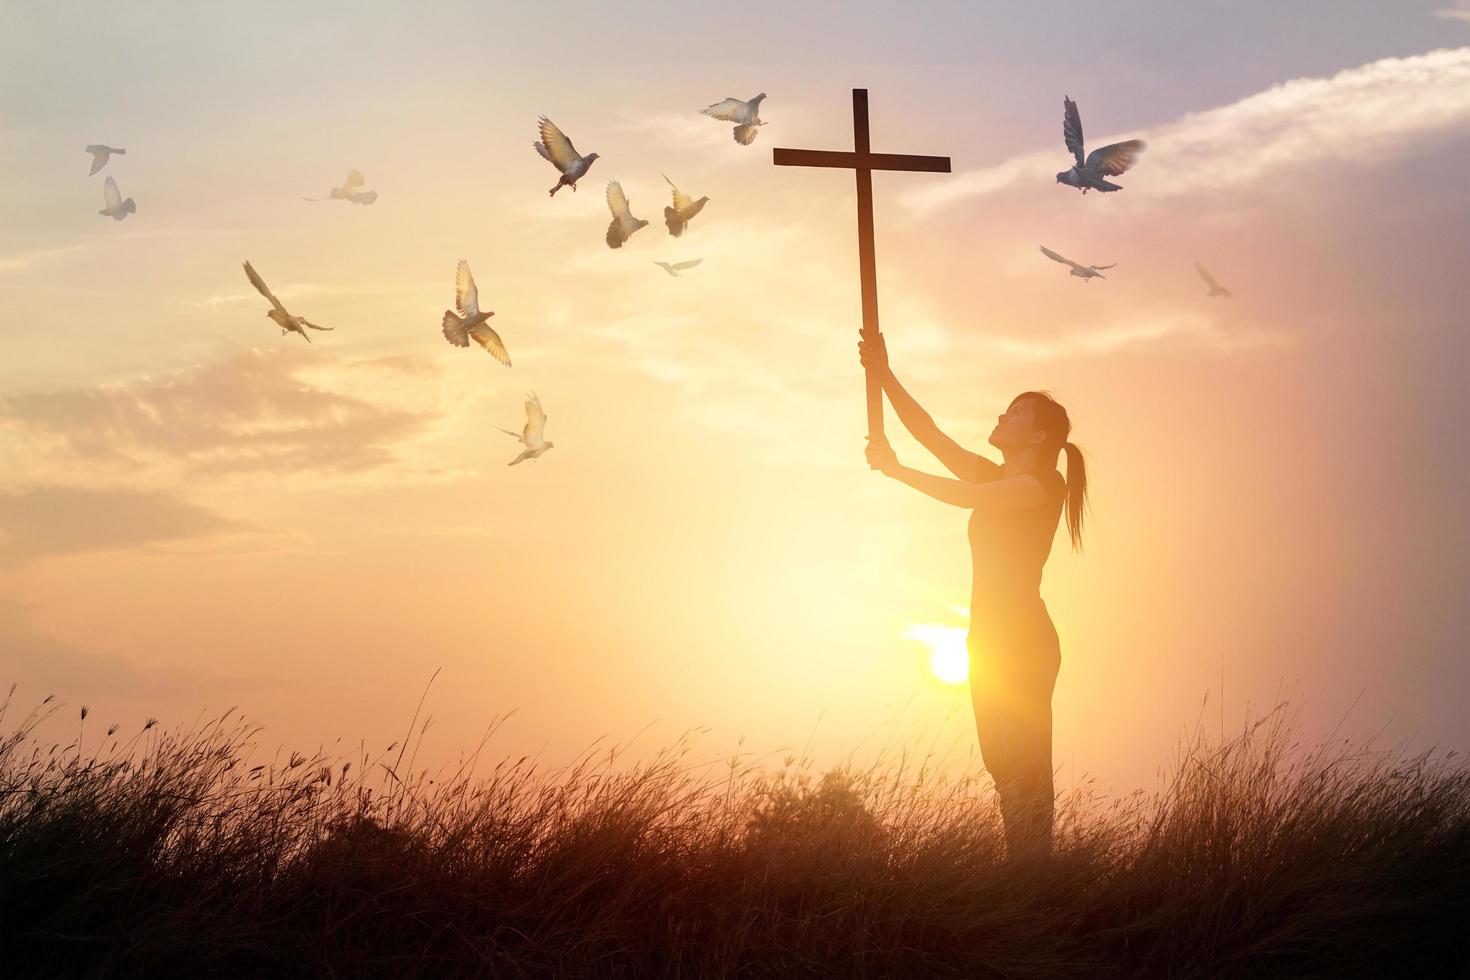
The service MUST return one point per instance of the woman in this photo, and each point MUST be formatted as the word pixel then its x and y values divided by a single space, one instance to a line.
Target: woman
pixel 1015 507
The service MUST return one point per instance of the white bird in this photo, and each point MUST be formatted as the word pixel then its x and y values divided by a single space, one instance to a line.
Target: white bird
pixel 349 191
pixel 470 323
pixel 623 224
pixel 1085 272
pixel 683 211
pixel 1215 288
pixel 555 147
pixel 100 155
pixel 533 437
pixel 1108 161
pixel 278 313
pixel 117 208
pixel 745 116
pixel 677 267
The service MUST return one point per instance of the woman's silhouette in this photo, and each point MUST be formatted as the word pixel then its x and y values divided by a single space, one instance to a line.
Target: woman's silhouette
pixel 1014 655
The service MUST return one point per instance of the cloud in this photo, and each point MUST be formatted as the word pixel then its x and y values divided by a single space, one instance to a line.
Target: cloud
pixel 257 411
pixel 1356 118
pixel 1460 12
pixel 1139 330
pixel 25 261
pixel 44 522
pixel 43 664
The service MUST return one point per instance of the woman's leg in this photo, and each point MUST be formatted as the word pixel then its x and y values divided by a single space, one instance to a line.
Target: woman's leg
pixel 1011 686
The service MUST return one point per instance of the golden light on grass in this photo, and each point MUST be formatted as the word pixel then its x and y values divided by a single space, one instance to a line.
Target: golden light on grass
pixel 949 657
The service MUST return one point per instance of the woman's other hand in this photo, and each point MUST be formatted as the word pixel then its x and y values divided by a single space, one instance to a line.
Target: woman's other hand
pixel 875 354
pixel 881 457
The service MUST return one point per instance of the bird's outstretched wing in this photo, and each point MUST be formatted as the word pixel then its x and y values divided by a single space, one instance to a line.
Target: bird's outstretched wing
pixel 691 263
pixel 1108 266
pixel 682 201
pixel 363 197
pixel 1115 158
pixel 315 326
pixel 1058 258
pixel 1072 128
pixel 535 419
pixel 466 294
pixel 110 194
pixel 555 146
pixel 486 337
pixel 745 135
pixel 260 285
pixel 1215 288
pixel 730 110
pixel 666 267
pixel 99 158
pixel 354 179
pixel 617 202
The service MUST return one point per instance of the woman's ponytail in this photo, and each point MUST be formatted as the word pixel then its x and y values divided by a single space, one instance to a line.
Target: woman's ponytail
pixel 1076 492
pixel 1052 418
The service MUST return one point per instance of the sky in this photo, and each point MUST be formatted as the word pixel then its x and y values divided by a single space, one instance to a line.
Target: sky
pixel 197 512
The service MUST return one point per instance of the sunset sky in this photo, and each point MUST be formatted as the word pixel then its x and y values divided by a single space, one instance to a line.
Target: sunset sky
pixel 197 512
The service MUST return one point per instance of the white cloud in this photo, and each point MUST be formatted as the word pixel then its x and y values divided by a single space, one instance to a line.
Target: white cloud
pixel 1460 11
pixel 25 261
pixel 1358 117
pixel 1139 330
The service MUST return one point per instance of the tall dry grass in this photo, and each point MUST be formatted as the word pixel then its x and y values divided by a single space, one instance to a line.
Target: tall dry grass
pixel 170 853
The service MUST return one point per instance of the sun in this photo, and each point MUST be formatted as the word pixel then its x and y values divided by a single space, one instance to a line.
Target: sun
pixel 949 657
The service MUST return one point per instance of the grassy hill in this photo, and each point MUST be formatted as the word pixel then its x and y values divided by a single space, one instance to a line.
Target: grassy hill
pixel 176 854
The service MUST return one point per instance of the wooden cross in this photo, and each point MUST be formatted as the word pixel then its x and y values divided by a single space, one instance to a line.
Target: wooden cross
pixel 864 161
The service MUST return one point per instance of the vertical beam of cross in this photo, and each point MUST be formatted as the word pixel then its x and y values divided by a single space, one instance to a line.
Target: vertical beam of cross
pixel 863 161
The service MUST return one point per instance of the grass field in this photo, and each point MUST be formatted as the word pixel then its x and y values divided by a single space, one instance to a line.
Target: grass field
pixel 180 853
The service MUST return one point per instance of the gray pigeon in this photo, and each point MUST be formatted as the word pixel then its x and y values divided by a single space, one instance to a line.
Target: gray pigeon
pixel 1215 288
pixel 555 147
pixel 1109 161
pixel 533 436
pixel 116 209
pixel 678 267
pixel 100 155
pixel 745 116
pixel 683 211
pixel 1084 272
pixel 277 312
pixel 623 223
pixel 349 191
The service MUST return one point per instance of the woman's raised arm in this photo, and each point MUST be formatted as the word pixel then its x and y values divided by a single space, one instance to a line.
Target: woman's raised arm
pixel 968 466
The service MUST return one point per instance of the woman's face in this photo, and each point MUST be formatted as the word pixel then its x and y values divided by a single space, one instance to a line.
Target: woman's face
pixel 1016 429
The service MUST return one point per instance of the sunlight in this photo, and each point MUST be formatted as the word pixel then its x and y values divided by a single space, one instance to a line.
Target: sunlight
pixel 949 657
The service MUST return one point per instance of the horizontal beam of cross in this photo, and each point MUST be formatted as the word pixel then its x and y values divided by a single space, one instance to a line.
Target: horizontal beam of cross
pixel 846 159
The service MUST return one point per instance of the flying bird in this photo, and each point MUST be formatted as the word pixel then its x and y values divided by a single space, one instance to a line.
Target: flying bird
pixel 623 224
pixel 117 208
pixel 1108 161
pixel 533 436
pixel 278 313
pixel 100 155
pixel 349 191
pixel 683 211
pixel 678 267
pixel 470 323
pixel 745 116
pixel 554 146
pixel 1215 288
pixel 1085 272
